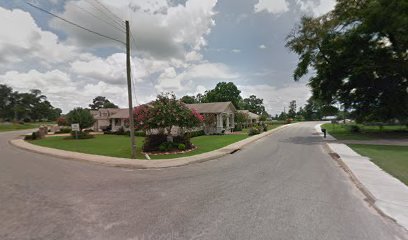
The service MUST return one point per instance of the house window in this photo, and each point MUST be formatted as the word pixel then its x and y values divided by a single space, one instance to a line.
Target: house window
pixel 117 121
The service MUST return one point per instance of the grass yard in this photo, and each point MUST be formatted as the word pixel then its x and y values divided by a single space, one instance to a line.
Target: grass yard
pixel 392 159
pixel 4 127
pixel 340 132
pixel 119 146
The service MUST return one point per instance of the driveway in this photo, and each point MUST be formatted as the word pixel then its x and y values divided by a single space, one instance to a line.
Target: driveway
pixel 284 186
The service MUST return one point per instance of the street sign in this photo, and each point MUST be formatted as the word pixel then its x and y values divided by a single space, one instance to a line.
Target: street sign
pixel 75 127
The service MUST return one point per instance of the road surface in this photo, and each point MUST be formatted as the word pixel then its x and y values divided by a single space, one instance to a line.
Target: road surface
pixel 284 186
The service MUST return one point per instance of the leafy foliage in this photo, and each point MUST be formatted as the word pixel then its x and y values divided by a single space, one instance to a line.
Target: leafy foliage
pixel 359 54
pixel 101 102
pixel 253 104
pixel 164 113
pixel 31 106
pixel 81 116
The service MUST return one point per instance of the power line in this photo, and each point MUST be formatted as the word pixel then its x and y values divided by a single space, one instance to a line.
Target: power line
pixel 76 25
pixel 98 8
pixel 99 18
pixel 109 11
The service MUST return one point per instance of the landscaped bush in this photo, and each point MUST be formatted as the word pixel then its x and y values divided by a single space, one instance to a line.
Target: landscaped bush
pixel 238 128
pixel 196 133
pixel 158 142
pixel 182 147
pixel 353 128
pixel 153 142
pixel 253 131
pixel 265 127
pixel 120 131
pixel 81 135
pixel 63 130
pixel 184 140
pixel 139 134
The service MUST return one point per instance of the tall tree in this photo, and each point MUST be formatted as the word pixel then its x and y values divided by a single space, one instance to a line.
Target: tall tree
pixel 188 99
pixel 101 102
pixel 253 104
pixel 223 92
pixel 81 116
pixel 292 109
pixel 358 52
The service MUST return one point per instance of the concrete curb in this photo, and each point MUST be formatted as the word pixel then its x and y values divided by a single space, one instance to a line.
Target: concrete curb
pixel 142 163
pixel 386 194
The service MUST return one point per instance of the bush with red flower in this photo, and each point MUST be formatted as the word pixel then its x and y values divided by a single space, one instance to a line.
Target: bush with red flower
pixel 163 114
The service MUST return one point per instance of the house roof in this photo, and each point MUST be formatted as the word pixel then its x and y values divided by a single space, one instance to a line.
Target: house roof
pixel 103 113
pixel 216 107
pixel 250 114
pixel 121 113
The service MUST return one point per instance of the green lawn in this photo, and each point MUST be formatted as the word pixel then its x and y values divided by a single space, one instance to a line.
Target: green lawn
pixel 13 127
pixel 392 159
pixel 119 146
pixel 340 132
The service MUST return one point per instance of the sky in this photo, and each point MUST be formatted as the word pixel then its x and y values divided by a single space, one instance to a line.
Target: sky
pixel 180 46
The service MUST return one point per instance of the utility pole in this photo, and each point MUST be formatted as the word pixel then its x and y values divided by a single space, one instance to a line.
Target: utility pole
pixel 129 80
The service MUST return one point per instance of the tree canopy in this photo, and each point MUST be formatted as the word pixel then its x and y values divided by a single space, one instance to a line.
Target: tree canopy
pixel 359 55
pixel 81 116
pixel 101 102
pixel 31 106
pixel 253 104
pixel 164 113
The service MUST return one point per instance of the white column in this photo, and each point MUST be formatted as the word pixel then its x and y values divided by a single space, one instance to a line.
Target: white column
pixel 227 127
pixel 219 123
pixel 232 120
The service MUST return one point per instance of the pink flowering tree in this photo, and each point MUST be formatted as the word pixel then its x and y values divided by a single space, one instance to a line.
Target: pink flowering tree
pixel 164 113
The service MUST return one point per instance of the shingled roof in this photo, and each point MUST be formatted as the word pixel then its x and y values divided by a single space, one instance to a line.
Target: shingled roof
pixel 216 107
pixel 121 113
pixel 250 114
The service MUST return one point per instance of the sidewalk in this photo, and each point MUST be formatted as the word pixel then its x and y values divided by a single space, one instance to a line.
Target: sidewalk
pixel 143 163
pixel 390 195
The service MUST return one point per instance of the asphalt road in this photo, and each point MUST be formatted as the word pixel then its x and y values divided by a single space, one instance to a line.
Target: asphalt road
pixel 284 186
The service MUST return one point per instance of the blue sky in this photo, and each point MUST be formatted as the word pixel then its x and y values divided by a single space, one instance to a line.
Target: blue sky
pixel 184 46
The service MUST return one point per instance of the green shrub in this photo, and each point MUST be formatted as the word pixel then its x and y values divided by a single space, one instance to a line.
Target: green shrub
pixel 163 147
pixel 81 135
pixel 265 127
pixel 253 131
pixel 137 133
pixel 196 133
pixel 153 142
pixel 353 128
pixel 64 130
pixel 237 128
pixel 28 137
pixel 182 147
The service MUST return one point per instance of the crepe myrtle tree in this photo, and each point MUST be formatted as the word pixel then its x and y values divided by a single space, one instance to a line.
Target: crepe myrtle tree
pixel 164 113
pixel 81 116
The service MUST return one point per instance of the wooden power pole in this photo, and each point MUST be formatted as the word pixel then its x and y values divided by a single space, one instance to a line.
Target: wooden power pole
pixel 129 83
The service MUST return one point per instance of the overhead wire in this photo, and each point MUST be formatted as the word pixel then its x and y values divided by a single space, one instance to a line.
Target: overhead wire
pixel 109 11
pixel 75 24
pixel 119 22
pixel 100 18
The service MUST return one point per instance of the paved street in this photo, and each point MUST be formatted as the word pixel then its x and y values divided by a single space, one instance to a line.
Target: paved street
pixel 284 186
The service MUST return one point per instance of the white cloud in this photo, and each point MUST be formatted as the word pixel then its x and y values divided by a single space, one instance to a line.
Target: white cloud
pixel 161 31
pixel 236 50
pixel 271 6
pixel 61 90
pixel 275 99
pixel 318 8
pixel 189 77
pixel 262 46
pixel 21 40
